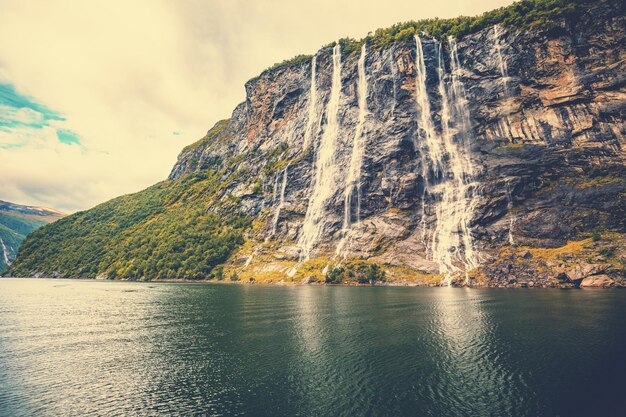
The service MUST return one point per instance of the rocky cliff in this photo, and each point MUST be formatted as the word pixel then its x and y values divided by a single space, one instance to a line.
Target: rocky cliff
pixel 492 159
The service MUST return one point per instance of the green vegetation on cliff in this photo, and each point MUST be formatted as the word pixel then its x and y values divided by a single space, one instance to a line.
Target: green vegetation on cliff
pixel 519 15
pixel 296 60
pixel 165 231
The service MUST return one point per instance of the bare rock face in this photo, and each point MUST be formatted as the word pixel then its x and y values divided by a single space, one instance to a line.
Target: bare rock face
pixel 535 121
pixel 584 270
pixel 597 281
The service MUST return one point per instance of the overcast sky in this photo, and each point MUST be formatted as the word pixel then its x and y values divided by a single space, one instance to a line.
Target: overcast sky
pixel 98 97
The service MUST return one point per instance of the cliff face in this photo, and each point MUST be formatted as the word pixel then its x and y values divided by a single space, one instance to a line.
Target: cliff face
pixel 534 122
pixel 493 159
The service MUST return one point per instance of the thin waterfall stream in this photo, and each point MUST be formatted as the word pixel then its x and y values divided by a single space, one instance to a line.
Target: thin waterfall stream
pixel 353 180
pixel 5 253
pixel 504 73
pixel 509 207
pixel 429 142
pixel 502 65
pixel 281 201
pixel 312 111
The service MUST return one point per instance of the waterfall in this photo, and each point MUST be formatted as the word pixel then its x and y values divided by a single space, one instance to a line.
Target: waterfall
pixel 5 253
pixel 394 78
pixel 429 145
pixel 429 140
pixel 353 180
pixel 509 207
pixel 325 166
pixel 249 260
pixel 275 190
pixel 504 72
pixel 308 132
pixel 504 76
pixel 452 242
pixel 447 171
pixel 281 203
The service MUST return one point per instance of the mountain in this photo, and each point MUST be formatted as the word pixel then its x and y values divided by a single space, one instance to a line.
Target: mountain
pixel 469 151
pixel 16 221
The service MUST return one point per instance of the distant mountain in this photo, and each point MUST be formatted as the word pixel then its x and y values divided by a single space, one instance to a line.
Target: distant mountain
pixel 16 221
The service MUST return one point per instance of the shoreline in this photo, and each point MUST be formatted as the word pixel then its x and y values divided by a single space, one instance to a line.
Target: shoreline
pixel 405 284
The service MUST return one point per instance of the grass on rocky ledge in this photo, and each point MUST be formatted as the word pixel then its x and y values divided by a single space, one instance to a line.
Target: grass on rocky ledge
pixel 571 247
pixel 607 248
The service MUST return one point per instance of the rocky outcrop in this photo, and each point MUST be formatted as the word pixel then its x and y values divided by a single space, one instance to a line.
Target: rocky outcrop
pixel 545 142
pixel 597 281
pixel 582 271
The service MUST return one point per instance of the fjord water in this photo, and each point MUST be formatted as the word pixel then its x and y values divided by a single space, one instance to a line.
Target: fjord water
pixel 118 348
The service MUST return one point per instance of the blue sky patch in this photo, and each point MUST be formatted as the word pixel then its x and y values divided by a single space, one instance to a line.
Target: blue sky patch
pixel 18 111
pixel 68 137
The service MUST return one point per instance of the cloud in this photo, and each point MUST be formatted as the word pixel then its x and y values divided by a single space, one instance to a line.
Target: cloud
pixel 10 116
pixel 137 81
pixel 24 122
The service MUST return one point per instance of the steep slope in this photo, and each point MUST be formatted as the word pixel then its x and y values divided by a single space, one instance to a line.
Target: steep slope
pixel 16 221
pixel 492 158
pixel 164 231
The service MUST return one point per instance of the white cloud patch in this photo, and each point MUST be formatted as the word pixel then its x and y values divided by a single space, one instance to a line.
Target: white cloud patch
pixel 126 75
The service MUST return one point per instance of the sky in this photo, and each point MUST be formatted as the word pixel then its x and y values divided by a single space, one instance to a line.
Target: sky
pixel 98 97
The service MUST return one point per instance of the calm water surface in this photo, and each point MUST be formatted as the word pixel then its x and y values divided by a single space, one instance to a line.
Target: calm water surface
pixel 118 348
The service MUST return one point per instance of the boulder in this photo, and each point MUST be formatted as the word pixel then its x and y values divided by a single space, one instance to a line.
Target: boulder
pixel 597 281
pixel 525 255
pixel 584 270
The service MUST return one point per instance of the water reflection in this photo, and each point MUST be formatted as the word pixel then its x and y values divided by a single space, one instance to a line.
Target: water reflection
pixel 469 356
